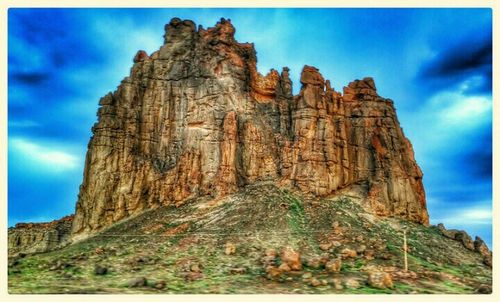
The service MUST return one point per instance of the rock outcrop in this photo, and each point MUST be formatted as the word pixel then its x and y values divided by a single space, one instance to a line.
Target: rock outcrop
pixel 39 237
pixel 195 118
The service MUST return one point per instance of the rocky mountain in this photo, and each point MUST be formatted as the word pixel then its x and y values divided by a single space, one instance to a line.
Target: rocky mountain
pixel 195 118
pixel 203 170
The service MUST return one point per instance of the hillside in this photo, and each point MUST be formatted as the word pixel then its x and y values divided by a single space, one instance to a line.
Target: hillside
pixel 261 240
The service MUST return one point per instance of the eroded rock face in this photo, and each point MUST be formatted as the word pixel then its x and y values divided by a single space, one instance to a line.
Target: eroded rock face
pixel 195 118
pixel 39 237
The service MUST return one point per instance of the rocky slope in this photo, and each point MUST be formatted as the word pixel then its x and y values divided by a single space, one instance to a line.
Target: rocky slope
pixel 195 118
pixel 263 239
pixel 39 237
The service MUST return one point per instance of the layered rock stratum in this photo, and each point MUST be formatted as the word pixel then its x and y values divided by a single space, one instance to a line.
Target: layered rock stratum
pixel 196 118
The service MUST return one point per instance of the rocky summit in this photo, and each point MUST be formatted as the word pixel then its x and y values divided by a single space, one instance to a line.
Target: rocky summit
pixel 205 176
pixel 196 118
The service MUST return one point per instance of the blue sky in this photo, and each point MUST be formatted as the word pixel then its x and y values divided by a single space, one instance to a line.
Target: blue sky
pixel 436 64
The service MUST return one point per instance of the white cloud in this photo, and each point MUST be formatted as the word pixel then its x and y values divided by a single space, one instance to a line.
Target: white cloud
pixel 467 110
pixel 474 215
pixel 54 159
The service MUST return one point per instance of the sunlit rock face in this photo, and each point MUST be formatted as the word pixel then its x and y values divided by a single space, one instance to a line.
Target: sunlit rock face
pixel 195 118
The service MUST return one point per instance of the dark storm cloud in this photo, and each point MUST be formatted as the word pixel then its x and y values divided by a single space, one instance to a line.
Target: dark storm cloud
pixel 28 78
pixel 479 159
pixel 469 57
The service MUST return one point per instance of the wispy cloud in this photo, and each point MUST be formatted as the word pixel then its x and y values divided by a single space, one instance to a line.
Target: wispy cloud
pixel 53 159
pixel 476 215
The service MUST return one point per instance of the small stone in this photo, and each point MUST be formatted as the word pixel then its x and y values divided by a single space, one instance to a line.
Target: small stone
pixel 325 246
pixel 352 283
pixel 369 254
pixel 360 249
pixel 160 285
pixel 380 280
pixel 336 243
pixel 333 266
pixel 193 276
pixel 195 268
pixel 230 248
pixel 137 282
pixel 99 251
pixel 284 267
pixel 348 253
pixel 292 258
pixel 271 253
pixel 100 270
pixel 315 282
pixel 484 289
pixel 238 270
pixel 335 224
pixel 273 272
pixel 307 275
pixel 337 283
pixel 385 256
pixel 314 263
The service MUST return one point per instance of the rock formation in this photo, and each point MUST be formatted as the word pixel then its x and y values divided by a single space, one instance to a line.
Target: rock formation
pixel 39 237
pixel 195 118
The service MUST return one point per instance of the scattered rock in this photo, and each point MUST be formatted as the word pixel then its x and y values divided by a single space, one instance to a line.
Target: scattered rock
pixel 273 272
pixel 314 262
pixel 481 247
pixel 99 251
pixel 100 270
pixel 230 248
pixel 195 268
pixel 238 270
pixel 315 282
pixel 292 258
pixel 352 283
pixel 337 283
pixel 137 282
pixel 336 243
pixel 466 240
pixel 385 256
pixel 380 280
pixel 325 246
pixel 348 253
pixel 307 275
pixel 160 285
pixel 193 276
pixel 334 266
pixel 360 248
pixel 369 254
pixel 284 267
pixel 271 253
pixel 484 289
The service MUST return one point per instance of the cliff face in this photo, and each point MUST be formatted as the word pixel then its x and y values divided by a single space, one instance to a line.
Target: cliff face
pixel 195 118
pixel 39 237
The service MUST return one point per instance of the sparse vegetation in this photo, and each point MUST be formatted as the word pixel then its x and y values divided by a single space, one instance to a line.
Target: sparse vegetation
pixel 182 250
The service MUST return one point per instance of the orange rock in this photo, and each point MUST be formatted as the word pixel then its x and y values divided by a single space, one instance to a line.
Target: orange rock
pixel 291 258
